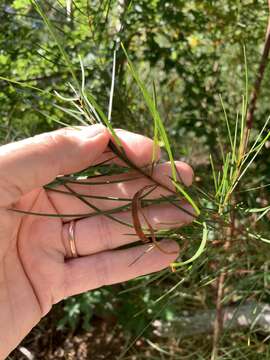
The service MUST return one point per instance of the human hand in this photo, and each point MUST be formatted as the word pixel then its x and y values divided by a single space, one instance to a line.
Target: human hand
pixel 36 270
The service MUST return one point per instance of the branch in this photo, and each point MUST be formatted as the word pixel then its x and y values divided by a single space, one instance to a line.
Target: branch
pixel 255 316
pixel 260 74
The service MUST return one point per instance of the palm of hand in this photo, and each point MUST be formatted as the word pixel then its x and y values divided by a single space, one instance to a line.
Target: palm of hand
pixel 33 264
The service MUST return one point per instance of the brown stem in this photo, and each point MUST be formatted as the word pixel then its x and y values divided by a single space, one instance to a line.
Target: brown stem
pixel 246 316
pixel 260 74
pixel 218 323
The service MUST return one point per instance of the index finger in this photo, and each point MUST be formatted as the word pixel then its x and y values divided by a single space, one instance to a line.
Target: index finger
pixel 139 149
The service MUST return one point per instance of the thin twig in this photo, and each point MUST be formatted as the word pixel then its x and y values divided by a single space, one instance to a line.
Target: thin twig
pixel 249 315
pixel 218 323
pixel 258 81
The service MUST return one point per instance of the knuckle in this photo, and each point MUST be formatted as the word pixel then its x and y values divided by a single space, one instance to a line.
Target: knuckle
pixel 185 172
pixel 102 267
pixel 8 190
pixel 104 233
pixel 44 148
pixel 57 138
pixel 65 245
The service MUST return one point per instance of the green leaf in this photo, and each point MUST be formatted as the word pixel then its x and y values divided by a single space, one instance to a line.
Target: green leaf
pixel 198 252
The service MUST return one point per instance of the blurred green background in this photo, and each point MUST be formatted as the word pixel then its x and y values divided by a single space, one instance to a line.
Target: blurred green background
pixel 193 51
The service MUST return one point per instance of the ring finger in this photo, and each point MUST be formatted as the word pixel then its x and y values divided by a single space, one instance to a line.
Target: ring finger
pixel 100 233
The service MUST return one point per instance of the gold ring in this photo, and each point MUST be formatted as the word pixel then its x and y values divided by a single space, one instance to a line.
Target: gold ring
pixel 71 239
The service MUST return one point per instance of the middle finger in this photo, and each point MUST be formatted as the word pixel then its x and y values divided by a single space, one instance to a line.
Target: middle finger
pixel 110 195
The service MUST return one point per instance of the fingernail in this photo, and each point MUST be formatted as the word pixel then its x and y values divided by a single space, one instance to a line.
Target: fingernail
pixel 170 245
pixel 92 131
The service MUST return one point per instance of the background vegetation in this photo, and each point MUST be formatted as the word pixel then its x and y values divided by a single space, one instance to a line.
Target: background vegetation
pixel 193 50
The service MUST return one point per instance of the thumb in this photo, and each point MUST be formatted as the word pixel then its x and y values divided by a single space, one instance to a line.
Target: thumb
pixel 33 162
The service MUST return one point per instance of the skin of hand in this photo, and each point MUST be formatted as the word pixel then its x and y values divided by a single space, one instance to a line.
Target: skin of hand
pixel 36 270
